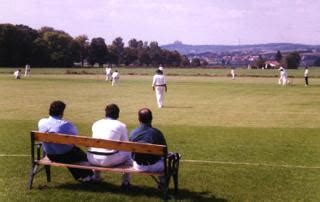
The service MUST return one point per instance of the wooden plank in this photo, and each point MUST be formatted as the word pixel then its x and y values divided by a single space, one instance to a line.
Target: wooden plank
pixel 119 169
pixel 160 150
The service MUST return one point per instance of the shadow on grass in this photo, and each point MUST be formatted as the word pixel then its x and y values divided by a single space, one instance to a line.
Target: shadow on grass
pixel 105 187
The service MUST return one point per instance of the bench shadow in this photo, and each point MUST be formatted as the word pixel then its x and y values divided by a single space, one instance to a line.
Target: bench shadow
pixel 138 190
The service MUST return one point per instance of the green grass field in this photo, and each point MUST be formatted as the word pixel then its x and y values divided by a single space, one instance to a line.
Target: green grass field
pixel 242 140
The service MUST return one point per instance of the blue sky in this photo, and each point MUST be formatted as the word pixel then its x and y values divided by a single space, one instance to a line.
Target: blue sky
pixel 228 22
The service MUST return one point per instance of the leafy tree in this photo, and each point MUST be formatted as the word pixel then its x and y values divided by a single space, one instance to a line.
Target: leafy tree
pixel 184 61
pixel 16 44
pixel 117 50
pixel 155 53
pixel 260 62
pixel 195 62
pixel 144 57
pixel 130 55
pixel 97 52
pixel 293 60
pixel 278 56
pixel 133 43
pixel 172 58
pixel 59 45
pixel 40 53
pixel 80 48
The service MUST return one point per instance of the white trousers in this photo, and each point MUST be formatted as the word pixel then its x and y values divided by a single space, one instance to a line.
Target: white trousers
pixel 157 167
pixel 282 80
pixel 114 81
pixel 160 95
pixel 110 160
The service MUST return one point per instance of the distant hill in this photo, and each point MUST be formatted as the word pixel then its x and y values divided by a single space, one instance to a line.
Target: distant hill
pixel 270 47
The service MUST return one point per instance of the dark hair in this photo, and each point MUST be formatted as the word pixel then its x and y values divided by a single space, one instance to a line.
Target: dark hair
pixel 112 111
pixel 57 108
pixel 158 71
pixel 145 115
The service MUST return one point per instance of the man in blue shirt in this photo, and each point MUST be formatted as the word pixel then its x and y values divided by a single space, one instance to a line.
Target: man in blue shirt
pixel 63 153
pixel 146 134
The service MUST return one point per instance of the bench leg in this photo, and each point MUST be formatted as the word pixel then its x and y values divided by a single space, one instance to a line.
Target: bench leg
pixel 48 173
pixel 175 182
pixel 165 188
pixel 32 174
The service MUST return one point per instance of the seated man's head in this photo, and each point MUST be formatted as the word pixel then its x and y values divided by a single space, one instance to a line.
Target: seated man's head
pixel 112 111
pixel 57 108
pixel 145 116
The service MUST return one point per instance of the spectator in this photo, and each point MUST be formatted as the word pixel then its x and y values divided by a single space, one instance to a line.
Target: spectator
pixel 64 153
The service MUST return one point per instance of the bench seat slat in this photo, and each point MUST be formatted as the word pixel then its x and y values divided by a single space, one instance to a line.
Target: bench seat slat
pixel 100 143
pixel 82 165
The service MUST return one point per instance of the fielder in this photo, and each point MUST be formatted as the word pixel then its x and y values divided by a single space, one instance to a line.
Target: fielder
pixel 283 77
pixel 27 71
pixel 306 77
pixel 17 74
pixel 108 73
pixel 233 73
pixel 159 85
pixel 115 77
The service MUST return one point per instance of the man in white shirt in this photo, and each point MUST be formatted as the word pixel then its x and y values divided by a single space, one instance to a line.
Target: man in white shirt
pixel 233 73
pixel 108 73
pixel 17 74
pixel 115 77
pixel 159 85
pixel 283 76
pixel 27 70
pixel 109 128
pixel 306 73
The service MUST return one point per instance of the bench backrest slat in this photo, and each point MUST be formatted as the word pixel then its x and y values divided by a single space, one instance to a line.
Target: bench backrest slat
pixel 160 150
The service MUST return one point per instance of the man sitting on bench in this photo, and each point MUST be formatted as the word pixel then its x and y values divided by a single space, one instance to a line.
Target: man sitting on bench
pixel 146 134
pixel 109 128
pixel 63 153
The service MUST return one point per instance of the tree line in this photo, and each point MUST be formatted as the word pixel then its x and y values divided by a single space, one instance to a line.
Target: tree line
pixel 48 47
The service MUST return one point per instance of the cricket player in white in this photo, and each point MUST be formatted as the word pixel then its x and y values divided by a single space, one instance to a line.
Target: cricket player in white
pixel 283 77
pixel 159 84
pixel 108 73
pixel 233 73
pixel 115 77
pixel 27 70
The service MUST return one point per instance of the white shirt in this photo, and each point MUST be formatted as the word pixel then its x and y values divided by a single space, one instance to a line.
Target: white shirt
pixel 158 80
pixel 306 72
pixel 16 73
pixel 109 129
pixel 115 75
pixel 108 70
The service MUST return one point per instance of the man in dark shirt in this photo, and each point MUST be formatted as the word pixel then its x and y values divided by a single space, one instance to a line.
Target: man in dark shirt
pixel 146 134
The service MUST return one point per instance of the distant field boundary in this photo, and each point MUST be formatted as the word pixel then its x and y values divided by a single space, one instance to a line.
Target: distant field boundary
pixel 83 72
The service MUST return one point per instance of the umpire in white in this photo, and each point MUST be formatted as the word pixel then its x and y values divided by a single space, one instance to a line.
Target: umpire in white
pixel 160 86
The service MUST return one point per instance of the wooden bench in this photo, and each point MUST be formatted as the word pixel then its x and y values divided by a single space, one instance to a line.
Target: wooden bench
pixel 40 162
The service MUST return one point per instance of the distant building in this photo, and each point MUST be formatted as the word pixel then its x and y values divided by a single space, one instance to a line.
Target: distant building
pixel 272 64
